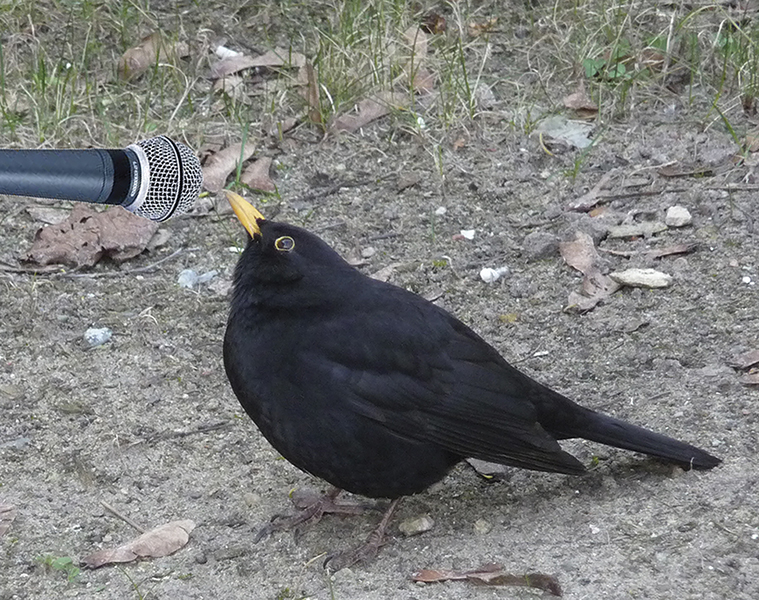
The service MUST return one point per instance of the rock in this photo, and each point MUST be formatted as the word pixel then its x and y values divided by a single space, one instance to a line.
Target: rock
pixel 540 244
pixel 416 525
pixel 678 216
pixel 489 275
pixel 482 527
pixel 645 229
pixel 187 278
pixel 645 278
pixel 368 252
pixel 97 337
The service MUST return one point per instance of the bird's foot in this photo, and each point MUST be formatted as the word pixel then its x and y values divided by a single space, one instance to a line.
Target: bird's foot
pixel 312 508
pixel 366 551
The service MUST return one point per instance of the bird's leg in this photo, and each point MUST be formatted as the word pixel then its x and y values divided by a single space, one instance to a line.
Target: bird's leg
pixel 311 510
pixel 368 550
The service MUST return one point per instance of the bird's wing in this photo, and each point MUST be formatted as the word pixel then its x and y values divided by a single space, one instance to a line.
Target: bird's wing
pixel 423 374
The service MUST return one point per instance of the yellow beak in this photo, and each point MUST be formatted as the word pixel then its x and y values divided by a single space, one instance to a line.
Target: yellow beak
pixel 246 213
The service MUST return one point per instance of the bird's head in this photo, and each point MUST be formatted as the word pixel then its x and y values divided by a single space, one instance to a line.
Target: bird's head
pixel 285 266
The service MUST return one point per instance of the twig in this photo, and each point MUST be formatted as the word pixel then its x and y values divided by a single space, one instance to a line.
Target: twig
pixel 167 435
pixel 144 269
pixel 124 518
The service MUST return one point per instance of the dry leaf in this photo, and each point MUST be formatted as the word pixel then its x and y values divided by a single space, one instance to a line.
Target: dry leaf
pixel 220 165
pixel 581 103
pixel 161 541
pixel 312 94
pixel 491 574
pixel 279 57
pixel 745 360
pixel 7 514
pixel 86 236
pixel 432 22
pixel 587 201
pixel 581 254
pixel 256 175
pixel 385 272
pixel 476 29
pixel 48 214
pixel 368 110
pixel 233 86
pixel 417 43
pixel 153 49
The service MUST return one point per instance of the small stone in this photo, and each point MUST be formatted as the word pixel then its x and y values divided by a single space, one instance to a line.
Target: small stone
pixel 468 234
pixel 540 244
pixel 645 278
pixel 97 337
pixel 368 252
pixel 645 229
pixel 416 525
pixel 678 216
pixel 251 499
pixel 489 275
pixel 440 211
pixel 187 278
pixel 201 558
pixel 482 527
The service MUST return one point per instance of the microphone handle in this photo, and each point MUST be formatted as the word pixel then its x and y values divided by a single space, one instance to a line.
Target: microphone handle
pixel 95 175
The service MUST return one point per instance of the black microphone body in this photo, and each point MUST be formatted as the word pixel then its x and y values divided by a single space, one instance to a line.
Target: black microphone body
pixel 98 176
pixel 155 178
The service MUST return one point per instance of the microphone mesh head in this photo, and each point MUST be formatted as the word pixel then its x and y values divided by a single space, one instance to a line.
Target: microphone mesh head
pixel 174 178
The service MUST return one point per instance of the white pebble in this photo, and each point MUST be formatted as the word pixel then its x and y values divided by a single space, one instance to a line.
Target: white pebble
pixel 468 233
pixel 645 278
pixel 489 275
pixel 678 216
pixel 97 337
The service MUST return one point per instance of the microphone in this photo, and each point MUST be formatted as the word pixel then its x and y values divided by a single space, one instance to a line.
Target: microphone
pixel 155 178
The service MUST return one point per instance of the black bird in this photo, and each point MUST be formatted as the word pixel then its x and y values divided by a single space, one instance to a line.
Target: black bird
pixel 380 392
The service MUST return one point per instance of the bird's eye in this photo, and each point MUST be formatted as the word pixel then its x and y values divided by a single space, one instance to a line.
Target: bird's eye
pixel 284 243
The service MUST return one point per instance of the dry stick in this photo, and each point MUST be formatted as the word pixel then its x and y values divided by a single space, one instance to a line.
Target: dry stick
pixel 144 269
pixel 124 518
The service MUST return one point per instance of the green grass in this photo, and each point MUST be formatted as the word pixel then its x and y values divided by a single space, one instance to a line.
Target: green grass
pixel 59 87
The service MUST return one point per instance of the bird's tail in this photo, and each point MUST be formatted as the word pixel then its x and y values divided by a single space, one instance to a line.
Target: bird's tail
pixel 607 430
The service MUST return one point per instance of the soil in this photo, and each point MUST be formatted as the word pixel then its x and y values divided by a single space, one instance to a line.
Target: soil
pixel 147 423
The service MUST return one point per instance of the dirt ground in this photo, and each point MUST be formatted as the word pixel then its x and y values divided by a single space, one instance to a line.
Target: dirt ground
pixel 147 422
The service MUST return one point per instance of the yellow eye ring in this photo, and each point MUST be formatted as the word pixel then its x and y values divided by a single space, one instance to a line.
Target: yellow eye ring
pixel 284 243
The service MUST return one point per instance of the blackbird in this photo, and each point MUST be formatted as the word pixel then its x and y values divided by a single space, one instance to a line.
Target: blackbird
pixel 380 392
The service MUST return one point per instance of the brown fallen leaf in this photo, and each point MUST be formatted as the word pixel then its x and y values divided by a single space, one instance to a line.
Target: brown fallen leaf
pixel 220 165
pixel 491 574
pixel 312 94
pixel 256 175
pixel 745 360
pixel 233 86
pixel 160 541
pixel 7 515
pixel 86 236
pixel 433 22
pixel 368 110
pixel 581 254
pixel 478 28
pixel 279 57
pixel 581 103
pixel 153 49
